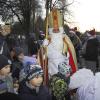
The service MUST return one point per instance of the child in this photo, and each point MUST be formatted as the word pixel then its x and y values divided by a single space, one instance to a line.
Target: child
pixel 6 82
pixel 59 82
pixel 31 88
pixel 19 53
pixel 23 60
pixel 83 85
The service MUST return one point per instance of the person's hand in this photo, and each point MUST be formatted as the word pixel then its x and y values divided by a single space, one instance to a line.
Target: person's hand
pixel 45 42
pixel 16 86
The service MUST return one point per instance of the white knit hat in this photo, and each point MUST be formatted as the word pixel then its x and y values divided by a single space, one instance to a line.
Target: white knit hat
pixel 80 78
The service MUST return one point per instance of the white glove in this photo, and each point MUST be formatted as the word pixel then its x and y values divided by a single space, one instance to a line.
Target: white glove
pixel 45 42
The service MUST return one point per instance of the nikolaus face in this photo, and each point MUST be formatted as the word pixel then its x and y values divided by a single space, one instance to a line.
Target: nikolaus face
pixel 5 70
pixel 37 81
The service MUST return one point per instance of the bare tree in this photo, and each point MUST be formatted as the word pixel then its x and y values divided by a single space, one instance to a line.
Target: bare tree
pixel 62 5
pixel 25 10
pixel 21 9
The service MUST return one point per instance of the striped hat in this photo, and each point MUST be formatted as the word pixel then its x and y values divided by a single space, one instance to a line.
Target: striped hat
pixel 32 71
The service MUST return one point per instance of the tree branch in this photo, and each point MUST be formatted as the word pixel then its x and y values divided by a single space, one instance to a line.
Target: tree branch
pixel 11 7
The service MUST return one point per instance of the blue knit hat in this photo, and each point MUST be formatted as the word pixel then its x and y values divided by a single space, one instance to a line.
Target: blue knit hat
pixel 31 71
pixel 18 50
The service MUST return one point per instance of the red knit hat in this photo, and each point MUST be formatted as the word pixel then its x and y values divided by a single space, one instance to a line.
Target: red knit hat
pixel 72 31
pixel 92 32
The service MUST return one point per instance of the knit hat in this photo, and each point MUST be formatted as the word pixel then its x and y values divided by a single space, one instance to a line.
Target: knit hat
pixel 4 61
pixel 64 69
pixel 18 50
pixel 31 71
pixel 92 32
pixel 80 78
pixel 72 31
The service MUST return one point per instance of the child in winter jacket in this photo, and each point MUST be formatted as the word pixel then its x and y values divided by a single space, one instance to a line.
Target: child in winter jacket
pixel 59 82
pixel 6 81
pixel 31 88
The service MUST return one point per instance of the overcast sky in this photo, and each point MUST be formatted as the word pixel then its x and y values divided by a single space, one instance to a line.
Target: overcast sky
pixel 86 14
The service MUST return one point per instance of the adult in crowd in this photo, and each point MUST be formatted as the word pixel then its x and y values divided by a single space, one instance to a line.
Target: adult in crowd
pixel 3 44
pixel 59 46
pixel 90 51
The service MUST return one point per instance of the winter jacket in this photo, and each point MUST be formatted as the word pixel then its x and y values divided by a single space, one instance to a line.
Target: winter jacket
pixel 16 67
pixel 26 93
pixel 3 47
pixel 92 50
pixel 6 84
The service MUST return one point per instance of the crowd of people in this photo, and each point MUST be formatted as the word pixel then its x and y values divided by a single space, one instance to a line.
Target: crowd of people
pixel 54 70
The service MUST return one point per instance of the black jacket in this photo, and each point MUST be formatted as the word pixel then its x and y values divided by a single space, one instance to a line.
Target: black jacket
pixel 92 50
pixel 3 43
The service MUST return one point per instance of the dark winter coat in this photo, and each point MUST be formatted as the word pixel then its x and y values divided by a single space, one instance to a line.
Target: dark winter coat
pixel 6 84
pixel 16 67
pixel 26 93
pixel 3 43
pixel 91 50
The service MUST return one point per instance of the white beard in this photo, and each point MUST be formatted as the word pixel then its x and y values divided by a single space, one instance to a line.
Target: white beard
pixel 61 30
pixel 54 53
pixel 57 42
pixel 57 39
